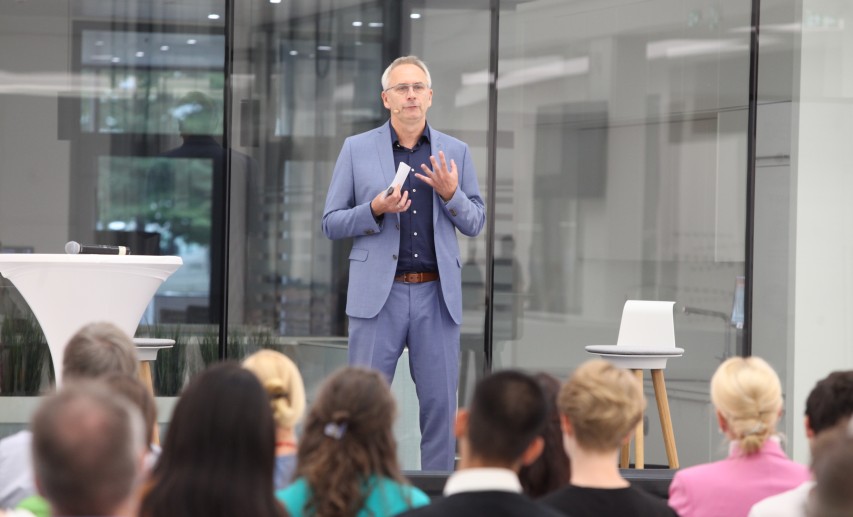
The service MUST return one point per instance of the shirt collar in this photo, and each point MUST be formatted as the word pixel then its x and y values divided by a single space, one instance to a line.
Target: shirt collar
pixel 423 138
pixel 481 480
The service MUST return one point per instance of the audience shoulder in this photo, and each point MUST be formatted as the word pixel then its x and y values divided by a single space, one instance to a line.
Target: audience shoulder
pixel 679 492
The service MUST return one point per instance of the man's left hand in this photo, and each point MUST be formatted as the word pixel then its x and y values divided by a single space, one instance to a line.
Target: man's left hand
pixel 441 178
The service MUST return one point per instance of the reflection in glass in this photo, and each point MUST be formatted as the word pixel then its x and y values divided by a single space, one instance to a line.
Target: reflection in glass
pixel 101 85
pixel 626 181
pixel 168 199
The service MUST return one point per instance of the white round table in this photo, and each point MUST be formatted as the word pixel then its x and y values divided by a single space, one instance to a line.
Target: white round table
pixel 66 292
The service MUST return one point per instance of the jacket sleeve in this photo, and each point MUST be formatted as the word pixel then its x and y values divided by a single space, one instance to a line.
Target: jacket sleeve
pixel 466 209
pixel 345 216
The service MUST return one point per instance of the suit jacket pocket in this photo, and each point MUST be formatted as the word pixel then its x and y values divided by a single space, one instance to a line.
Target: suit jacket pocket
pixel 358 254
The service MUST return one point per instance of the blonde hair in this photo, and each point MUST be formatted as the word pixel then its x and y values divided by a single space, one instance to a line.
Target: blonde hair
pixel 405 60
pixel 603 404
pixel 748 394
pixel 281 379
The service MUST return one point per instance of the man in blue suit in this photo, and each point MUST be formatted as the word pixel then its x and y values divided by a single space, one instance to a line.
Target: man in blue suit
pixel 405 285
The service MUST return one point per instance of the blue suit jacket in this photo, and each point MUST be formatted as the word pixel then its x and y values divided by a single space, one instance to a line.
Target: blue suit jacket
pixel 365 167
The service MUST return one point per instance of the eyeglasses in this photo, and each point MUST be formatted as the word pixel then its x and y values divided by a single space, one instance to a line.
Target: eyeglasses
pixel 403 88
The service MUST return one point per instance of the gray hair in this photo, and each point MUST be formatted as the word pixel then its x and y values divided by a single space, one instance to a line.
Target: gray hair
pixel 99 349
pixel 87 445
pixel 405 60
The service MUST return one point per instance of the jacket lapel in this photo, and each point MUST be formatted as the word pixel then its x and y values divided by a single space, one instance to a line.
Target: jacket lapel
pixel 385 154
pixel 436 145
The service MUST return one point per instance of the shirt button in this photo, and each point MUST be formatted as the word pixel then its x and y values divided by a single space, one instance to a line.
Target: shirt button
pixel 414 190
pixel 414 211
pixel 416 255
pixel 416 234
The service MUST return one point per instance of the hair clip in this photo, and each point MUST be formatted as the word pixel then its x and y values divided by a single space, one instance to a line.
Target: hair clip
pixel 336 431
pixel 756 429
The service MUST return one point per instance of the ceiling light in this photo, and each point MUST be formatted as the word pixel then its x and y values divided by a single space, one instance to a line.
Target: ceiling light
pixel 357 24
pixel 140 54
pixel 293 52
pixel 275 1
pixel 164 48
pixel 324 48
pixel 415 16
pixel 191 41
pixel 212 16
pixel 375 24
pixel 115 60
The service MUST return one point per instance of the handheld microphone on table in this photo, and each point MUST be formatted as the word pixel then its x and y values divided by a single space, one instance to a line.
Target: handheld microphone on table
pixel 75 248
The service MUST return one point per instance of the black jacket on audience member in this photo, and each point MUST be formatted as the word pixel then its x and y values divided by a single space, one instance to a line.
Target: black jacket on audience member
pixel 594 502
pixel 493 503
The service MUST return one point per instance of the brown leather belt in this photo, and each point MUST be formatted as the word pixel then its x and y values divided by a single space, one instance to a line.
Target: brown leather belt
pixel 416 278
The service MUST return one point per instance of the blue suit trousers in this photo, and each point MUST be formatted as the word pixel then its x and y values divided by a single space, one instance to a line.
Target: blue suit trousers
pixel 416 316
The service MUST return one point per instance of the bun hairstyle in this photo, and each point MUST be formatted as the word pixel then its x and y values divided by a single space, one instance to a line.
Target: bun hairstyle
pixel 748 394
pixel 281 379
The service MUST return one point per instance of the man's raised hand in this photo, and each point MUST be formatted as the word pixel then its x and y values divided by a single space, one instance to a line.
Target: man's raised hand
pixel 441 178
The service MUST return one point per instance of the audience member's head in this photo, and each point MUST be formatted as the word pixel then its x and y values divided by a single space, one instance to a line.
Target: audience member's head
pixel 832 463
pixel 219 450
pixel 87 450
pixel 347 438
pixel 747 395
pixel 601 404
pixel 551 470
pixel 830 402
pixel 99 349
pixel 281 379
pixel 501 426
pixel 136 392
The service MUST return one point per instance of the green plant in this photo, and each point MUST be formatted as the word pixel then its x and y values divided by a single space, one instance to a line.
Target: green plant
pixel 209 345
pixel 242 343
pixel 23 354
pixel 170 367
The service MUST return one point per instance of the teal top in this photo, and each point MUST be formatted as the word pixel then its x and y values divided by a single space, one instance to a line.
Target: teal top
pixel 385 498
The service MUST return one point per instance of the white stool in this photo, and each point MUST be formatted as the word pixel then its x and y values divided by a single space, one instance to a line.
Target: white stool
pixel 646 340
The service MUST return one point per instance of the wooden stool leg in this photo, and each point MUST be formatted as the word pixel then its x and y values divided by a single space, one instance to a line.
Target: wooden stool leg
pixel 639 452
pixel 665 418
pixel 625 456
pixel 147 379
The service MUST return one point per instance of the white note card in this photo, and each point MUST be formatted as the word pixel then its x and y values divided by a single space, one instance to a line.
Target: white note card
pixel 400 177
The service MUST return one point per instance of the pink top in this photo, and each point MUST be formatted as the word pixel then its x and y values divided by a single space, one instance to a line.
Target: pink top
pixel 731 486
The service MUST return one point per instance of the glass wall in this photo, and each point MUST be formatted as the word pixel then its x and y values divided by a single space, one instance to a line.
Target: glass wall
pixel 112 133
pixel 307 75
pixel 625 178
pixel 619 140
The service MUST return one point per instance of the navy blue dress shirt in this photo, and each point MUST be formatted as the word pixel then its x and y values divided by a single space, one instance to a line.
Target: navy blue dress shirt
pixel 417 245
